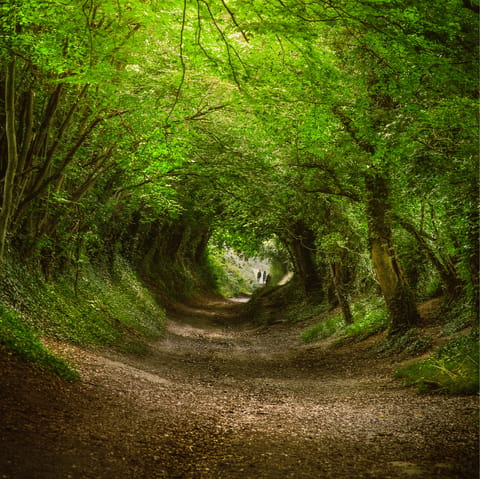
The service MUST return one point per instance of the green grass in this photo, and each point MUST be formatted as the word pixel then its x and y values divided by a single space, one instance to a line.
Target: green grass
pixel 324 329
pixel 25 343
pixel 369 316
pixel 453 368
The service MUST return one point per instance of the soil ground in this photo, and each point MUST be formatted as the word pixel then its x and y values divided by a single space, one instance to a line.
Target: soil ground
pixel 217 397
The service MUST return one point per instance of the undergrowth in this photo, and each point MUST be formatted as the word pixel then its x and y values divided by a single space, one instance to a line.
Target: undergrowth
pixel 101 306
pixel 328 327
pixel 453 368
pixel 25 343
pixel 410 343
pixel 369 317
pixel 457 315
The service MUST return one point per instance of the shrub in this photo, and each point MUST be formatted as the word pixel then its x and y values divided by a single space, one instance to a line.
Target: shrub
pixel 453 368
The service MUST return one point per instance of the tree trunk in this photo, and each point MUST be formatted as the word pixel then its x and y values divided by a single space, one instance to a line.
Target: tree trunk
pixel 302 248
pixel 12 156
pixel 342 295
pixel 393 284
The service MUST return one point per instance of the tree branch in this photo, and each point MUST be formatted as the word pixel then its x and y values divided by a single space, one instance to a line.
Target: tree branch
pixel 182 63
pixel 234 20
pixel 202 113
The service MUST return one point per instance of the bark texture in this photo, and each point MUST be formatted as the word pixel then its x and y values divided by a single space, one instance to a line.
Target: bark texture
pixel 398 296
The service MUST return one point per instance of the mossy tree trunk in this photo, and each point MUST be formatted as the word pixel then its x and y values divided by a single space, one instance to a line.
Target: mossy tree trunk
pixel 398 296
pixel 393 283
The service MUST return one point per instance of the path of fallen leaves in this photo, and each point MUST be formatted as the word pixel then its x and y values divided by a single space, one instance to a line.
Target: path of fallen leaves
pixel 219 398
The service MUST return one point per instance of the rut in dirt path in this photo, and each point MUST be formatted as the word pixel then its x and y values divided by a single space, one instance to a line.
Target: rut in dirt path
pixel 220 398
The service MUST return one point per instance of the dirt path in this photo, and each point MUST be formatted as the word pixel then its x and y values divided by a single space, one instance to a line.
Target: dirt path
pixel 217 398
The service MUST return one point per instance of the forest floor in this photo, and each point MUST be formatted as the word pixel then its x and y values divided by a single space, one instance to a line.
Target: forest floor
pixel 217 397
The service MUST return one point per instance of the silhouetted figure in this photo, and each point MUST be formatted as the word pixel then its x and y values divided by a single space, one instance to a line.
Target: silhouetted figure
pixel 259 276
pixel 267 280
pixel 264 277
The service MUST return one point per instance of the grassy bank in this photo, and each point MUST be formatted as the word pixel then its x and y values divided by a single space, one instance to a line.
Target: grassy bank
pixel 98 306
pixel 452 368
pixel 369 317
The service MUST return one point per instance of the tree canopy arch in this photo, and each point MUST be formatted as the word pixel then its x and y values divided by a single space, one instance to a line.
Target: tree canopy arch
pixel 314 122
